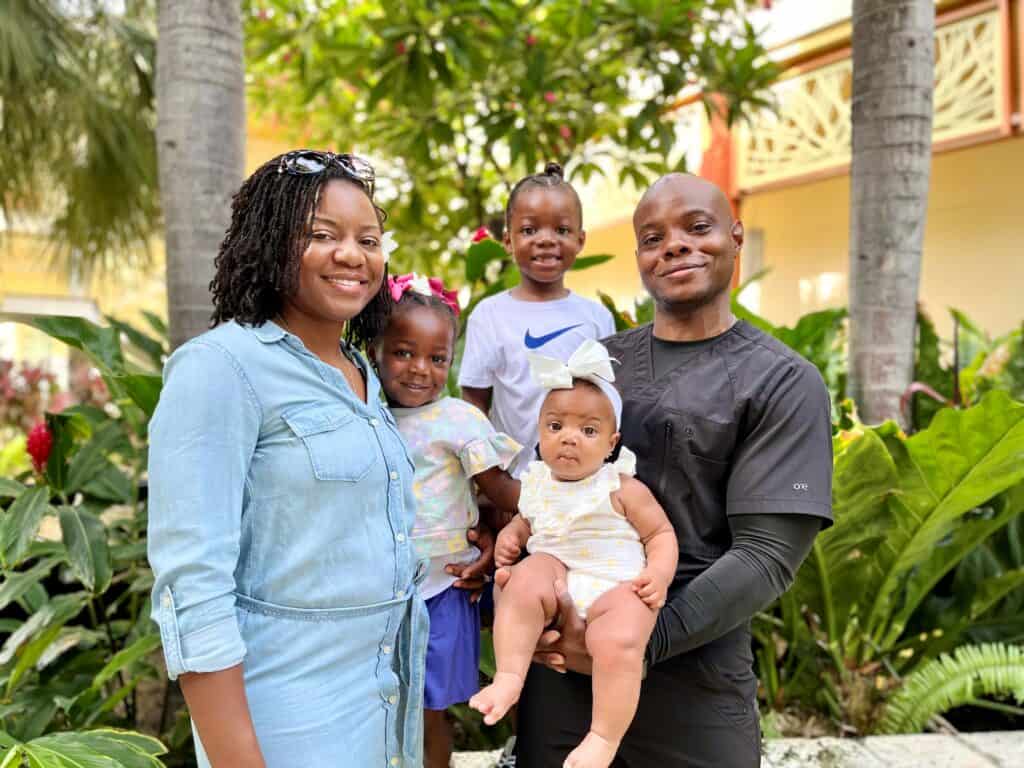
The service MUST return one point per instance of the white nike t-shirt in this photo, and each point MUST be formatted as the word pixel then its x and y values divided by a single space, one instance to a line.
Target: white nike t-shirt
pixel 500 331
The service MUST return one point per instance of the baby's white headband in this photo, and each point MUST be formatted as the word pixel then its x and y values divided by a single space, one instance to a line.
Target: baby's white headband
pixel 590 362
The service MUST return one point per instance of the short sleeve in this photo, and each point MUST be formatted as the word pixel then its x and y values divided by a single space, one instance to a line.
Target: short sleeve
pixel 784 463
pixel 605 322
pixel 480 354
pixel 202 437
pixel 480 446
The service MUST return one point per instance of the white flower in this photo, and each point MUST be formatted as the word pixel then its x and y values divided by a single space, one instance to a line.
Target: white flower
pixel 112 410
pixel 388 245
pixel 420 284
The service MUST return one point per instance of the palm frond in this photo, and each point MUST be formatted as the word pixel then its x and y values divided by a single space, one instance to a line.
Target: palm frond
pixel 971 672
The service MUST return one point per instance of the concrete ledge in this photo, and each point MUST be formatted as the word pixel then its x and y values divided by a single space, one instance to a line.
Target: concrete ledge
pixel 1002 749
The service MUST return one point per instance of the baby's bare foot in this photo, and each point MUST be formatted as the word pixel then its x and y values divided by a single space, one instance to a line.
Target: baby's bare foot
pixel 498 697
pixel 593 752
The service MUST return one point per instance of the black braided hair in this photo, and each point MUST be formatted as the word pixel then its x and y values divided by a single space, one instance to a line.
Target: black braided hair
pixel 257 265
pixel 551 177
pixel 412 299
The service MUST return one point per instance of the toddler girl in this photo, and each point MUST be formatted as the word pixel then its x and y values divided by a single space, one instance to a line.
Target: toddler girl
pixel 452 444
pixel 544 233
pixel 589 523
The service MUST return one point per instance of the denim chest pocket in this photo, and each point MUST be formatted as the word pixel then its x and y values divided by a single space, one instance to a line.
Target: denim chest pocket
pixel 339 443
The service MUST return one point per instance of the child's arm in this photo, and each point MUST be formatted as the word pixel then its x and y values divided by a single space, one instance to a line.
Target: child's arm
pixel 503 492
pixel 659 539
pixel 511 541
pixel 478 396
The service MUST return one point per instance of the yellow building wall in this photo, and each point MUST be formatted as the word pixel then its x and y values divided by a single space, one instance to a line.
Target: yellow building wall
pixel 973 257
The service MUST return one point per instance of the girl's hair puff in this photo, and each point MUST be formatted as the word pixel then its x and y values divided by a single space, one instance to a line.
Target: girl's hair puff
pixel 257 265
pixel 411 300
pixel 552 177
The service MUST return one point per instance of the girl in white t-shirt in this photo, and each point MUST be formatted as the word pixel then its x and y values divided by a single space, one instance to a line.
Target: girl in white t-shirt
pixel 544 234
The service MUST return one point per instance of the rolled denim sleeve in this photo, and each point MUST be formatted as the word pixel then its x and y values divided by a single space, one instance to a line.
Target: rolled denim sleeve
pixel 201 440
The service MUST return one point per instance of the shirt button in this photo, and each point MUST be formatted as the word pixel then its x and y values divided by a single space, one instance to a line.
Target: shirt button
pixel 395 761
pixel 400 594
pixel 374 422
pixel 167 601
pixel 392 700
pixel 394 475
pixel 399 537
pixel 386 648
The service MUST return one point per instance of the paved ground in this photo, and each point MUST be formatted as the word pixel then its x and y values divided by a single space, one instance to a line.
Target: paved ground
pixel 1003 749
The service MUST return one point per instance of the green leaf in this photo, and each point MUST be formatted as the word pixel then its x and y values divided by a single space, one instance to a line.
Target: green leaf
pixel 10 488
pixel 19 524
pixel 91 459
pixel 125 657
pixel 142 388
pixel 479 255
pixel 86 540
pixel 101 344
pixel 31 653
pixel 103 748
pixel 153 350
pixel 586 262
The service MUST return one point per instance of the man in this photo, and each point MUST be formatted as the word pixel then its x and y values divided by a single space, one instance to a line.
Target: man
pixel 732 433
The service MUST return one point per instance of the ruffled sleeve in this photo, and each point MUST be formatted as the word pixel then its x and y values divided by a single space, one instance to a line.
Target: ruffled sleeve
pixel 475 441
pixel 531 496
pixel 494 450
pixel 624 465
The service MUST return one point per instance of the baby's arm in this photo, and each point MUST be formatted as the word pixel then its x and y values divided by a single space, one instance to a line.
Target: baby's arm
pixel 511 541
pixel 659 539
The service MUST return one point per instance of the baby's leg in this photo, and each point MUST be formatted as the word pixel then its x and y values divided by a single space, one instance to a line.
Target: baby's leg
pixel 619 625
pixel 526 604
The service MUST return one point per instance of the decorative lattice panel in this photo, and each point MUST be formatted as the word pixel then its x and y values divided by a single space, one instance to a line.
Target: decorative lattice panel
pixel 810 129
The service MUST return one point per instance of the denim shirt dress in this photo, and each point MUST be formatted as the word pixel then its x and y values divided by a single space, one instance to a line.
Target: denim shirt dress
pixel 280 508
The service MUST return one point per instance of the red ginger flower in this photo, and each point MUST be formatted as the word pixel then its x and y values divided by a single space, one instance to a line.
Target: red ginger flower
pixel 39 444
pixel 550 97
pixel 481 234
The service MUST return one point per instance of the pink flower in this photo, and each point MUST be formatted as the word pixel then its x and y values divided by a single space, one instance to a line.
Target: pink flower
pixel 531 40
pixel 565 132
pixel 550 97
pixel 39 444
pixel 481 234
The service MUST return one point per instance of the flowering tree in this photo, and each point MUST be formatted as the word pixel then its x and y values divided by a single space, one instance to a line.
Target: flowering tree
pixel 461 99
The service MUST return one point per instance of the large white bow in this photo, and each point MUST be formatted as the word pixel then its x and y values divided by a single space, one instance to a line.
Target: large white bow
pixel 590 361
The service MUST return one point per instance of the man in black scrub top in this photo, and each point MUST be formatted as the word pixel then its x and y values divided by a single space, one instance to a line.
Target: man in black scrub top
pixel 732 433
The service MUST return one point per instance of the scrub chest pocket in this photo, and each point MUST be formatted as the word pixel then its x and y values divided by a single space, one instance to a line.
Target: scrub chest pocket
pixel 338 441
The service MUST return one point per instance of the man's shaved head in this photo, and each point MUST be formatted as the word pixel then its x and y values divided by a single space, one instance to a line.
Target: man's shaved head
pixel 692 186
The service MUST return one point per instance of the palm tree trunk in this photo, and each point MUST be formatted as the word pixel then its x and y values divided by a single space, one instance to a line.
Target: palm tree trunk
pixel 893 78
pixel 200 146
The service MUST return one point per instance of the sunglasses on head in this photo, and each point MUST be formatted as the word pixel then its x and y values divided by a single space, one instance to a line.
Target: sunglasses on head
pixel 306 161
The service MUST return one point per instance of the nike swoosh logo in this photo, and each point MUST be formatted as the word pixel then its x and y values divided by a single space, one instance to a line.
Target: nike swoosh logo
pixel 532 342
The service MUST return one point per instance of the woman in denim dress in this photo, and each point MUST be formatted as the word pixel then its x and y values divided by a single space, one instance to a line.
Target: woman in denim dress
pixel 280 491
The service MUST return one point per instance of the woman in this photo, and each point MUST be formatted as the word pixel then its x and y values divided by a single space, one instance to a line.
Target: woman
pixel 280 491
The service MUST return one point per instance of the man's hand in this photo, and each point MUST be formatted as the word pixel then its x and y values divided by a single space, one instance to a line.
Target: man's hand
pixel 473 576
pixel 650 588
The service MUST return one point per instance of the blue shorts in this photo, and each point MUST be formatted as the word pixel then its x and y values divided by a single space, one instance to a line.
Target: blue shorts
pixel 453 651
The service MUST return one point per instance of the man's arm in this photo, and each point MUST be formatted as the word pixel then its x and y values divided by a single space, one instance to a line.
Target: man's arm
pixel 760 565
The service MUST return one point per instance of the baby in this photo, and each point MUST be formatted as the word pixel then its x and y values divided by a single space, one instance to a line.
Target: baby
pixel 591 524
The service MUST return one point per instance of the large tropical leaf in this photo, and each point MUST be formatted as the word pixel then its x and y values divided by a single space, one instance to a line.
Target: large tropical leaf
pixel 907 511
pixel 103 748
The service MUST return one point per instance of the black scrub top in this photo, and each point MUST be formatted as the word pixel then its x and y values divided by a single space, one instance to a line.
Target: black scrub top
pixel 734 425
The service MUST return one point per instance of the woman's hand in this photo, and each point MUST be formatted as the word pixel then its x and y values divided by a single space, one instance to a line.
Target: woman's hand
pixel 473 576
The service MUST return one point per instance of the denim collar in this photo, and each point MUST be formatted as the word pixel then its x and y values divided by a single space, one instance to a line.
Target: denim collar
pixel 268 332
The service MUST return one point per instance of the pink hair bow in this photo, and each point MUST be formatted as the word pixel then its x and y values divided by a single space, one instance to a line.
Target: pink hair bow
pixel 425 286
